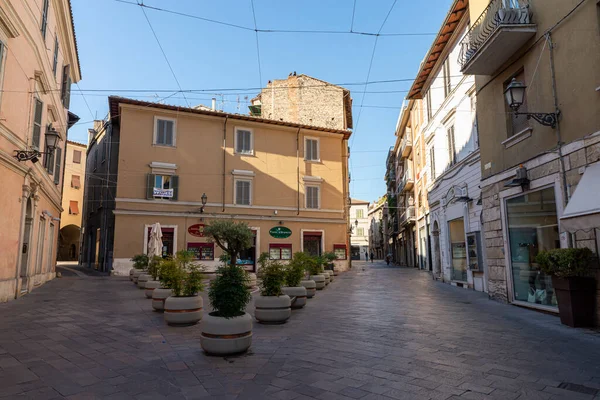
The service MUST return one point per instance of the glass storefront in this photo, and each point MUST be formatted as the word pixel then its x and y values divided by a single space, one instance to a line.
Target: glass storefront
pixel 532 227
pixel 458 249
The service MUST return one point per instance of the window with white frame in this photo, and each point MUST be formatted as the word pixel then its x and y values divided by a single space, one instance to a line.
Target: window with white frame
pixel 164 132
pixel 360 213
pixel 312 197
pixel 244 142
pixel 360 231
pixel 243 192
pixel 311 149
pixel 163 189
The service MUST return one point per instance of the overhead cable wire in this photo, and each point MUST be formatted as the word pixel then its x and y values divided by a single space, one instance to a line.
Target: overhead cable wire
pixel 163 53
pixel 257 45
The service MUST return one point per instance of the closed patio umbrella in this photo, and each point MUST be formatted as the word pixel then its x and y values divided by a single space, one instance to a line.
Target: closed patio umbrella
pixel 155 243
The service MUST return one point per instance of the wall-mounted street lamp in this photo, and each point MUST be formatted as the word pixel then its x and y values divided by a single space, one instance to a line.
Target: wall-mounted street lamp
pixel 204 199
pixel 515 96
pixel 356 223
pixel 52 138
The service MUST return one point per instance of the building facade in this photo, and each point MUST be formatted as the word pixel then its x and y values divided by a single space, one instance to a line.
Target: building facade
pixel 288 181
pixel 38 63
pixel 72 202
pixel 529 169
pixel 452 161
pixel 375 220
pixel 305 100
pixel 359 223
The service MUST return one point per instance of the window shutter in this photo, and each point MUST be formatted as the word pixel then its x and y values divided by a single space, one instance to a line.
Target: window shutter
pixel 37 123
pixel 169 133
pixel 150 186
pixel 58 160
pixel 315 151
pixel 175 186
pixel 44 18
pixel 65 92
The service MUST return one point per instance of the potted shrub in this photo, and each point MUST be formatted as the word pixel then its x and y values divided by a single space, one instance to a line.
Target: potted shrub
pixel 330 258
pixel 184 306
pixel 228 328
pixel 166 270
pixel 573 282
pixel 153 269
pixel 314 269
pixel 321 262
pixel 140 263
pixel 293 275
pixel 271 305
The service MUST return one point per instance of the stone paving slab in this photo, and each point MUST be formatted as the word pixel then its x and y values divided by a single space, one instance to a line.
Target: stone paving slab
pixel 375 333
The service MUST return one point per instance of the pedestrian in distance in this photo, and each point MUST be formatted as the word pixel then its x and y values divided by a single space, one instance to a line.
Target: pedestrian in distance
pixel 366 255
pixel 372 256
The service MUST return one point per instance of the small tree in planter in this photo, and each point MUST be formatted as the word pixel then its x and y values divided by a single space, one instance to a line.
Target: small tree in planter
pixel 168 275
pixel 140 263
pixel 315 271
pixel 330 257
pixel 272 306
pixel 184 306
pixel 228 328
pixel 571 272
pixel 322 262
pixel 293 275
pixel 153 271
pixel 304 261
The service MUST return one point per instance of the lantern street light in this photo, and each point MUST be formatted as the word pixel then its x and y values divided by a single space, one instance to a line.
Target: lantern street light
pixel 515 97
pixel 52 138
pixel 356 223
pixel 204 198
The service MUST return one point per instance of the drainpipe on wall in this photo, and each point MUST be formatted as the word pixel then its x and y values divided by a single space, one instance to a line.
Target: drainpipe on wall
pixel 563 173
pixel 224 154
pixel 298 169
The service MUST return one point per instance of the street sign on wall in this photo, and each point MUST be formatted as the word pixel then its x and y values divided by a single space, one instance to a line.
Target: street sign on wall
pixel 280 232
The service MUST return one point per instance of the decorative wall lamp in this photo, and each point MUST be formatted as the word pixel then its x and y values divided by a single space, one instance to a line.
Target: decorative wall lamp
pixel 52 138
pixel 204 199
pixel 515 96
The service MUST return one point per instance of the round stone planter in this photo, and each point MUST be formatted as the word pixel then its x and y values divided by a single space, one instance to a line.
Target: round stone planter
pixel 136 274
pixel 319 281
pixel 272 309
pixel 142 279
pixel 311 287
pixel 150 286
pixel 297 292
pixel 222 336
pixel 330 272
pixel 251 280
pixel 327 278
pixel 131 271
pixel 158 298
pixel 183 310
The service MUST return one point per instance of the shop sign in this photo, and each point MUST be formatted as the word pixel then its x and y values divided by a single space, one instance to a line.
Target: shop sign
pixel 280 232
pixel 196 230
pixel 158 192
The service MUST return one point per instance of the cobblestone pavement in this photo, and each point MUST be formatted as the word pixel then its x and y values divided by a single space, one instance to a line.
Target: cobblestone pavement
pixel 375 333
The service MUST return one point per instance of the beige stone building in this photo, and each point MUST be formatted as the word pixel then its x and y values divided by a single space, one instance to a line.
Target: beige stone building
pixel 185 167
pixel 531 167
pixel 38 63
pixel 72 202
pixel 305 100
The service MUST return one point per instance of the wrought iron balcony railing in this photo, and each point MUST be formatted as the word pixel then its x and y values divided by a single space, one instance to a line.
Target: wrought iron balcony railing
pixel 499 13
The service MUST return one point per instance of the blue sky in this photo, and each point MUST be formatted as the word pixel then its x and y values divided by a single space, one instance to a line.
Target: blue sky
pixel 118 51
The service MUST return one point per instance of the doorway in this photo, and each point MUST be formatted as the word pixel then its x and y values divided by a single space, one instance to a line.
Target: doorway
pixel 312 243
pixel 437 254
pixel 247 257
pixel 458 249
pixel 25 250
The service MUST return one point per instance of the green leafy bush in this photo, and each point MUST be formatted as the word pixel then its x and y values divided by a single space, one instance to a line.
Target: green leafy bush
pixel 272 275
pixel 140 261
pixel 154 266
pixel 180 275
pixel 294 271
pixel 314 265
pixel 330 256
pixel 565 263
pixel 228 293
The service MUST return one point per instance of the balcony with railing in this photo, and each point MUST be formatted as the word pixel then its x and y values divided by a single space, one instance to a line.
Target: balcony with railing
pixel 406 144
pixel 408 180
pixel 408 216
pixel 499 32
